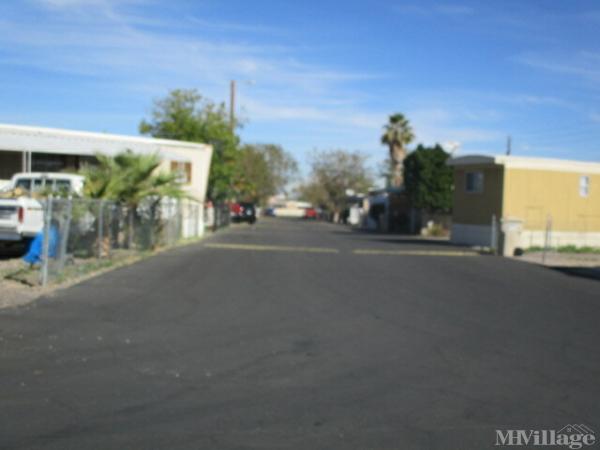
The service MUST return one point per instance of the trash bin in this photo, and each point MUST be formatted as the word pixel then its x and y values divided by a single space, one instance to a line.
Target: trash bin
pixel 510 236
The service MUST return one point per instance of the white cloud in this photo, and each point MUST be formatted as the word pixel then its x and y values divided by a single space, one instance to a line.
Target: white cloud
pixel 70 3
pixel 112 51
pixel 273 109
pixel 539 100
pixel 441 9
pixel 454 10
pixel 117 50
pixel 235 27
pixel 443 124
pixel 77 4
pixel 582 64
pixel 305 103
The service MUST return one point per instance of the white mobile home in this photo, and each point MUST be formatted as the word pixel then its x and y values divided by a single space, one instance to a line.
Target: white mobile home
pixel 35 149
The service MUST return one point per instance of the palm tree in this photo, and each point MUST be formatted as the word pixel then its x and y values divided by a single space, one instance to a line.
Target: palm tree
pixel 130 178
pixel 397 135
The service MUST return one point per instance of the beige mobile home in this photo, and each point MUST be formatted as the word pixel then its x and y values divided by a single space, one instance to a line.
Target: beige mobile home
pixel 528 196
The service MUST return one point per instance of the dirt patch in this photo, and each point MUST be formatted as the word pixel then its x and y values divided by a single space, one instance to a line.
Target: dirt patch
pixel 586 265
pixel 20 283
pixel 12 292
pixel 559 259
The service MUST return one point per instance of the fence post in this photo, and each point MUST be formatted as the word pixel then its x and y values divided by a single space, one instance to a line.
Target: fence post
pixel 46 240
pixel 197 221
pixel 100 227
pixel 64 235
pixel 111 228
pixel 494 243
pixel 130 226
pixel 169 222
pixel 216 207
pixel 173 213
pixel 179 221
pixel 547 238
pixel 153 221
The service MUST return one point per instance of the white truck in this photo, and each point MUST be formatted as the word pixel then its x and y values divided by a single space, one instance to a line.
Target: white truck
pixel 22 216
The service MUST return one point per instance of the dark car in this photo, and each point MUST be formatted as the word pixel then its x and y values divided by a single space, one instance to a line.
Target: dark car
pixel 242 212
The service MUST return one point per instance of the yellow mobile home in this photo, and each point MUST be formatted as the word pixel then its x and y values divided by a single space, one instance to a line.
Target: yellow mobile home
pixel 531 198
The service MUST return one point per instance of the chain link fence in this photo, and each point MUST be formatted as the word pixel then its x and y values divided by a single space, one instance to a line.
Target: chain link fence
pixel 217 215
pixel 81 235
pixel 546 236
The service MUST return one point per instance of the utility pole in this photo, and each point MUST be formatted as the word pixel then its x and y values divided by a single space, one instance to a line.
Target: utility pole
pixel 508 144
pixel 232 104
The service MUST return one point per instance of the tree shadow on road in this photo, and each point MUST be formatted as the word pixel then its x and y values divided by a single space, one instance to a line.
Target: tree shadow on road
pixel 591 273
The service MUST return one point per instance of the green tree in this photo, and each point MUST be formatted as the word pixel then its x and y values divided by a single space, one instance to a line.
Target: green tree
pixel 263 170
pixel 187 116
pixel 283 168
pixel 397 135
pixel 253 182
pixel 428 179
pixel 332 174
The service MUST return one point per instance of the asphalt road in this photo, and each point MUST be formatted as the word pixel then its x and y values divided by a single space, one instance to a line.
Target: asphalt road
pixel 292 335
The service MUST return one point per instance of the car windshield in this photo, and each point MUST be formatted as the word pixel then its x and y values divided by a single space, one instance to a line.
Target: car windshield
pixel 23 183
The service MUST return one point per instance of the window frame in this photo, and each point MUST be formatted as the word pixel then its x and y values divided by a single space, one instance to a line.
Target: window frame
pixel 183 169
pixel 478 188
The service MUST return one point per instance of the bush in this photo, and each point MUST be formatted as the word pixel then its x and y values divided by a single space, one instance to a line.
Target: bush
pixel 437 230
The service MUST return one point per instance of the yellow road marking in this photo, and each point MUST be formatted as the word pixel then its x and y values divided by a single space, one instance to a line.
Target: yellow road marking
pixel 271 248
pixel 366 251
pixel 362 251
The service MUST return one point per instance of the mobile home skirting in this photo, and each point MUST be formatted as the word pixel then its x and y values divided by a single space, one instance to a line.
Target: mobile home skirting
pixel 475 235
pixel 481 235
pixel 536 238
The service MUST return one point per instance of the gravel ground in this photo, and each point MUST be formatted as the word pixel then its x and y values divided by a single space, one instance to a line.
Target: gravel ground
pixel 554 259
pixel 13 293
pixel 578 264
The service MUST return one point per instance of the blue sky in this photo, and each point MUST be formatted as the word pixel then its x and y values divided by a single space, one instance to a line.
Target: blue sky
pixel 316 74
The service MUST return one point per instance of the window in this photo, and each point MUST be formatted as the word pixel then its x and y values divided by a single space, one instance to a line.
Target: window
pixel 23 183
pixel 474 182
pixel 38 185
pixel 183 170
pixel 61 185
pixel 584 186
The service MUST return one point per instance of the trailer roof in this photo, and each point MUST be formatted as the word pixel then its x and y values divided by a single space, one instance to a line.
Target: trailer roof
pixel 521 162
pixel 54 140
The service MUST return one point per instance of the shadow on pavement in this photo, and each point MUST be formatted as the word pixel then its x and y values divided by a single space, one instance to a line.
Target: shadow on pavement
pixel 592 273
pixel 395 238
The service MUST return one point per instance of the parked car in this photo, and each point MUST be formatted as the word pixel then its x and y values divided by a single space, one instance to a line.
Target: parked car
pixel 242 212
pixel 21 215
pixel 311 213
